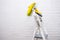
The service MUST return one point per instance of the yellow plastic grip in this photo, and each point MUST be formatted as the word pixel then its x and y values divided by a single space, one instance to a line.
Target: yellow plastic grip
pixel 37 11
pixel 30 7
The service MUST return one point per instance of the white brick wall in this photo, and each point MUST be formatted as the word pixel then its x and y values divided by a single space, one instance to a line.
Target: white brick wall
pixel 15 25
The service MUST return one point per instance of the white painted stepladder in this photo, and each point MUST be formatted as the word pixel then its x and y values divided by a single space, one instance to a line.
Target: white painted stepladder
pixel 39 32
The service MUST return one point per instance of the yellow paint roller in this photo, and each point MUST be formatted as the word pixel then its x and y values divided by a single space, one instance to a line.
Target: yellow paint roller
pixel 30 7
